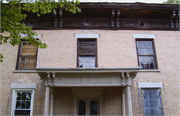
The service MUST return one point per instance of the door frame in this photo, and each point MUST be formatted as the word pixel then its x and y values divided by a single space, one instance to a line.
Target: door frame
pixel 88 94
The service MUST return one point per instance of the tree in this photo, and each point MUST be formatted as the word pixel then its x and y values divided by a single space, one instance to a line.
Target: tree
pixel 12 17
pixel 172 2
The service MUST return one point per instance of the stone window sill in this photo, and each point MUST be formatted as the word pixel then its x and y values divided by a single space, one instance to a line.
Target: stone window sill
pixel 24 71
pixel 149 70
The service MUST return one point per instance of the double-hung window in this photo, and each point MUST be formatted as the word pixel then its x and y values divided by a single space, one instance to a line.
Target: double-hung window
pixel 152 102
pixel 22 103
pixel 27 56
pixel 87 53
pixel 146 54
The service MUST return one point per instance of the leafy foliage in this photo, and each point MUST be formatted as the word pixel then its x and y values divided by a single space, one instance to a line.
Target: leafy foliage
pixel 12 17
pixel 172 2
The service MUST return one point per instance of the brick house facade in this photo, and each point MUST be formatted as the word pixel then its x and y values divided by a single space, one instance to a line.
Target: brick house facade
pixel 135 72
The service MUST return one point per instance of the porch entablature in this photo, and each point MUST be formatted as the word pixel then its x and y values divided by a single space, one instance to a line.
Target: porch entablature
pixel 87 77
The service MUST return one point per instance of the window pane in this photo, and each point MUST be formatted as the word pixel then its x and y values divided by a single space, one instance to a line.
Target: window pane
pixel 93 108
pixel 27 59
pixel 87 61
pixel 22 112
pixel 144 44
pixel 24 45
pixel 23 105
pixel 26 66
pixel 33 46
pixel 140 44
pixel 147 51
pixel 32 59
pixel 28 104
pixel 28 95
pixel 88 50
pixel 32 65
pixel 148 44
pixel 146 62
pixel 33 51
pixel 151 104
pixel 23 96
pixel 28 45
pixel 146 104
pixel 19 95
pixel 82 107
pixel 18 105
pixel 23 51
pixel 28 51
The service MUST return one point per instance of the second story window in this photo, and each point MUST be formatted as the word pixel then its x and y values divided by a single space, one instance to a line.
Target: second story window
pixel 27 56
pixel 87 53
pixel 146 54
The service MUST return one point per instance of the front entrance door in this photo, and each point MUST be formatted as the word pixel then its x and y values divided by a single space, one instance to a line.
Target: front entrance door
pixel 88 106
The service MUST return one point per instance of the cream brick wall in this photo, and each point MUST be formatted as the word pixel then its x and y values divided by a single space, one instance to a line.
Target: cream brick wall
pixel 116 48
pixel 112 101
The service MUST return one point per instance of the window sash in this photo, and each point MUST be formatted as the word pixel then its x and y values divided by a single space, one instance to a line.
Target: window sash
pixel 146 54
pixel 19 111
pixel 152 103
pixel 27 56
pixel 87 49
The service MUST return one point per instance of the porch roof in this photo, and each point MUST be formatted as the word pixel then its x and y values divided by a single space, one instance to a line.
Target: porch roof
pixel 86 70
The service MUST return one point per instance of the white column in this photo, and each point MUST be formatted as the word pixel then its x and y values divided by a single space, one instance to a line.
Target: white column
pixel 130 112
pixel 46 105
pixel 52 105
pixel 101 106
pixel 123 105
pixel 75 105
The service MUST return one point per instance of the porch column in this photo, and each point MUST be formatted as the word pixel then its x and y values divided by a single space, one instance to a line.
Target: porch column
pixel 46 105
pixel 52 105
pixel 130 112
pixel 123 105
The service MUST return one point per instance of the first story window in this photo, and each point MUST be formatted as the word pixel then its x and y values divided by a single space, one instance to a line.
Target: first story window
pixel 152 102
pixel 146 54
pixel 27 56
pixel 22 102
pixel 87 53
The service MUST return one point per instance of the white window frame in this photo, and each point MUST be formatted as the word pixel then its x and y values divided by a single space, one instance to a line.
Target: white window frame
pixel 22 87
pixel 150 85
pixel 144 36
pixel 14 100
pixel 86 36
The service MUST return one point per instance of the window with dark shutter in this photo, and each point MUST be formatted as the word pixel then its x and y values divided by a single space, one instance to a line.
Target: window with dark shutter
pixel 27 56
pixel 87 53
pixel 146 54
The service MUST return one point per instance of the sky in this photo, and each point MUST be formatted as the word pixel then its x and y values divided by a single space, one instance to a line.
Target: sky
pixel 126 1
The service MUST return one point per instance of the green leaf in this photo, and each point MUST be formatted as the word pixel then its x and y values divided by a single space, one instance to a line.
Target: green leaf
pixel 38 15
pixel 12 19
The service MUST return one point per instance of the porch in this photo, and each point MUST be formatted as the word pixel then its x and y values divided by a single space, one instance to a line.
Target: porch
pixel 94 91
